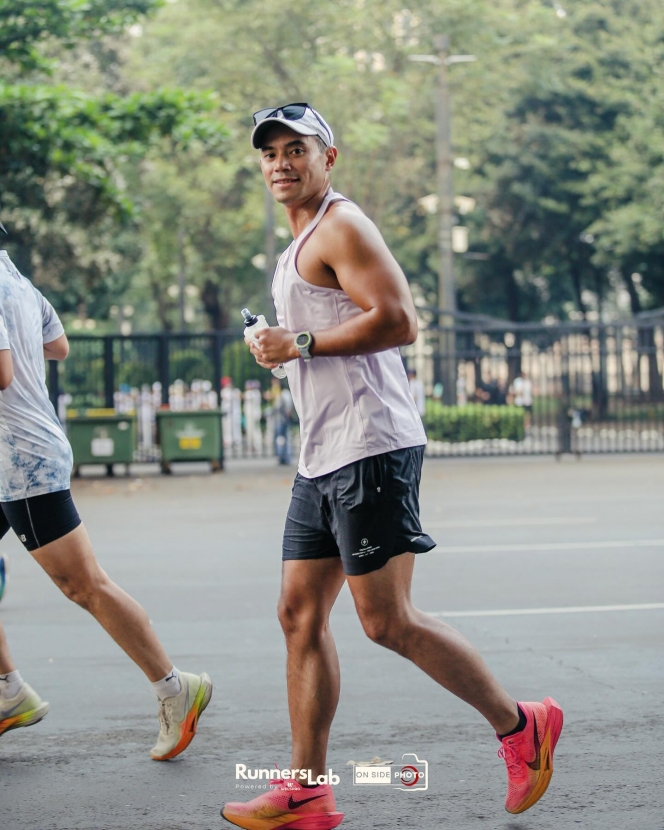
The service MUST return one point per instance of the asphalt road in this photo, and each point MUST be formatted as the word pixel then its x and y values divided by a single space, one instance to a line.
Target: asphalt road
pixel 579 546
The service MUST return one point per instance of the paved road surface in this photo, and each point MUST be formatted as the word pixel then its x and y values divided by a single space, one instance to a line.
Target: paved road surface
pixel 570 543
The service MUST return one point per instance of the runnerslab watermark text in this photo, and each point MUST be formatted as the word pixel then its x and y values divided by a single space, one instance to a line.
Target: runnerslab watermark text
pixel 303 776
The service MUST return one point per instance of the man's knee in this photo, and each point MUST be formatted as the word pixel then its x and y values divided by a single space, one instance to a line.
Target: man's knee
pixel 384 629
pixel 84 591
pixel 300 617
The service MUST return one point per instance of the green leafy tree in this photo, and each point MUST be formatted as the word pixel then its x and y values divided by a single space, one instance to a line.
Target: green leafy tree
pixel 62 152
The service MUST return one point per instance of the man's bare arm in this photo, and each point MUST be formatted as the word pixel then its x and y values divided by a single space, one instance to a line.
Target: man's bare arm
pixel 6 368
pixel 57 349
pixel 353 249
pixel 365 269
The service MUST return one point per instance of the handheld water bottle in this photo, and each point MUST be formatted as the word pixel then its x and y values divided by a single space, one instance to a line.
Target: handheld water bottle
pixel 254 323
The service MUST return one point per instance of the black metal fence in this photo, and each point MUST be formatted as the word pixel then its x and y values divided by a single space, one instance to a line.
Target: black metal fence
pixel 489 388
pixel 506 388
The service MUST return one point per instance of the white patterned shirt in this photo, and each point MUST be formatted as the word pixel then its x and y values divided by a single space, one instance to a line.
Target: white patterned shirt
pixel 35 456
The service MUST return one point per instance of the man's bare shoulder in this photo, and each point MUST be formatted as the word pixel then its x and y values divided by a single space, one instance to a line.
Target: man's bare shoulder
pixel 345 221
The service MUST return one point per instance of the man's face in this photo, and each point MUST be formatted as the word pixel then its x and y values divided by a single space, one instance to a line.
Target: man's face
pixel 294 166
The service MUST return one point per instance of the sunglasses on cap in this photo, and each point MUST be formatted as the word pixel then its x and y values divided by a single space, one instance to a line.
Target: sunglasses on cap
pixel 289 112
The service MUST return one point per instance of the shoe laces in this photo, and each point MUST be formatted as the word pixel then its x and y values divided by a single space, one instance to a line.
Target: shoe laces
pixel 163 715
pixel 510 754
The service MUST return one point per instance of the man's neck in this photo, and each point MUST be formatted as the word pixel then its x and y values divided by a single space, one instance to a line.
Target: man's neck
pixel 300 215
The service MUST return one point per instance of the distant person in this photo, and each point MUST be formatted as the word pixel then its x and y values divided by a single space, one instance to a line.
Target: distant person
pixel 252 416
pixel 491 392
pixel 283 419
pixel 35 502
pixel 344 309
pixel 522 393
pixel 236 415
pixel 226 398
pixel 417 391
pixel 461 390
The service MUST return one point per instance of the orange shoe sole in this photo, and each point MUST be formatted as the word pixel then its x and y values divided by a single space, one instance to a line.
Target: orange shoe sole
pixel 288 821
pixel 26 719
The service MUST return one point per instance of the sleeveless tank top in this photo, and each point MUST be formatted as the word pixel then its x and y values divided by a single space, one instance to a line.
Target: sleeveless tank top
pixel 349 407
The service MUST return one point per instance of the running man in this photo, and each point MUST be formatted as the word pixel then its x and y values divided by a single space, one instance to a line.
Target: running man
pixel 35 466
pixel 343 308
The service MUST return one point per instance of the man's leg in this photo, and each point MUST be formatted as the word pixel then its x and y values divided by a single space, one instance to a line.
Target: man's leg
pixel 6 662
pixel 529 731
pixel 383 603
pixel 309 590
pixel 71 564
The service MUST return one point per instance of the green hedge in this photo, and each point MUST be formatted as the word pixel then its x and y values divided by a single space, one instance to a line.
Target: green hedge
pixel 473 422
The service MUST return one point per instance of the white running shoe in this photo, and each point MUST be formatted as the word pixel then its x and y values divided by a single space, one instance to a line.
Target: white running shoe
pixel 23 710
pixel 178 716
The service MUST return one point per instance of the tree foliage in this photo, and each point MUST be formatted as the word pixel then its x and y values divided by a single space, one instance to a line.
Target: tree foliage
pixel 26 26
pixel 569 184
pixel 560 118
pixel 119 185
pixel 62 151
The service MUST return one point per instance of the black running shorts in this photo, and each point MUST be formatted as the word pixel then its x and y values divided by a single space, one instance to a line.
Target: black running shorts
pixel 366 513
pixel 40 519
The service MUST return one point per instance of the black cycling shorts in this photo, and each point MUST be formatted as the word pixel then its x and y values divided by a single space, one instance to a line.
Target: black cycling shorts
pixel 40 519
pixel 366 513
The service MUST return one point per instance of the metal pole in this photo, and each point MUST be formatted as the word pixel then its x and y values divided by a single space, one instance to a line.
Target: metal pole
pixel 163 357
pixel 217 347
pixel 270 252
pixel 109 373
pixel 446 281
pixel 181 276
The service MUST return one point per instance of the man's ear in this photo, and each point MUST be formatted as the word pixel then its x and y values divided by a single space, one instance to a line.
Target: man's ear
pixel 330 157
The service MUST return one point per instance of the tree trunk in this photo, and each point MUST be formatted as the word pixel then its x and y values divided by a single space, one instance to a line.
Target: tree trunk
pixel 211 305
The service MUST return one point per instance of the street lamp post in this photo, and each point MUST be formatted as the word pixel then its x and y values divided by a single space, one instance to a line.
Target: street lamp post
pixel 444 168
pixel 446 369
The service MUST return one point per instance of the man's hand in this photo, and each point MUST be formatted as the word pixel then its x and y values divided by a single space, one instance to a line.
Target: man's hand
pixel 274 346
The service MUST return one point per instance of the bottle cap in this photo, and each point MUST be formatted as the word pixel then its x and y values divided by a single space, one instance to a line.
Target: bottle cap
pixel 248 317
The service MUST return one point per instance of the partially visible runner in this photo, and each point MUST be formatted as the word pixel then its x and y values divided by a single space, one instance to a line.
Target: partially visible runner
pixel 35 467
pixel 3 575
pixel 343 308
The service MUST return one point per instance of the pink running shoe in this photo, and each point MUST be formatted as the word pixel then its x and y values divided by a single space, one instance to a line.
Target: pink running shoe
pixel 288 806
pixel 529 754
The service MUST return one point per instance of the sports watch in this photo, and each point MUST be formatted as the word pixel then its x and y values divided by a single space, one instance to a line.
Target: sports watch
pixel 303 342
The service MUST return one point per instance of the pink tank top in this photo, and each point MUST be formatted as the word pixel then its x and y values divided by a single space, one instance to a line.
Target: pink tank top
pixel 349 407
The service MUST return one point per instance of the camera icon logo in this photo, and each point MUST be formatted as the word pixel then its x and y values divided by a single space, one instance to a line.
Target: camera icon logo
pixel 412 774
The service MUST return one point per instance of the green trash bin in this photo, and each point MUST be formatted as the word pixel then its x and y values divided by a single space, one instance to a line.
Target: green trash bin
pixel 190 436
pixel 102 436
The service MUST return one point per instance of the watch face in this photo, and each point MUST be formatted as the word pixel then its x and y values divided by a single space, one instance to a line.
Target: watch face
pixel 303 339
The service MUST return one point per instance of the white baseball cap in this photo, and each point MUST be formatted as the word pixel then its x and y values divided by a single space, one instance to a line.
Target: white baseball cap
pixel 301 118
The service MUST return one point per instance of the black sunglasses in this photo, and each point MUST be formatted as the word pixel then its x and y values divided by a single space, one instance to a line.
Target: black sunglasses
pixel 289 112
